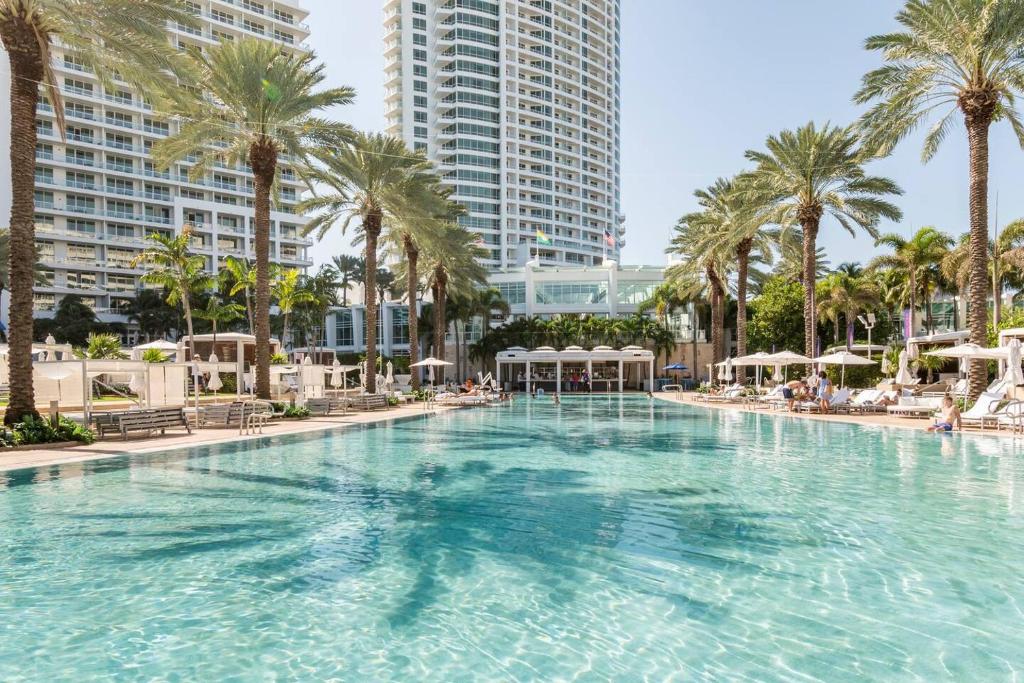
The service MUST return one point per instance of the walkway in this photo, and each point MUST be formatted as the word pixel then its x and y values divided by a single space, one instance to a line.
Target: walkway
pixel 112 447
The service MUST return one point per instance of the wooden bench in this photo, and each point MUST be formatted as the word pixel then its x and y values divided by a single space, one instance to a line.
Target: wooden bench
pixel 150 420
pixel 248 416
pixel 369 402
pixel 323 407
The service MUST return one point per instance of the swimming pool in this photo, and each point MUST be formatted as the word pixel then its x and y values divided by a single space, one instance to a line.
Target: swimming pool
pixel 606 538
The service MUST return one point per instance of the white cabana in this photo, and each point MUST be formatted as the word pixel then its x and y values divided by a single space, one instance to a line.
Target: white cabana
pixel 915 344
pixel 162 345
pixel 842 359
pixel 576 356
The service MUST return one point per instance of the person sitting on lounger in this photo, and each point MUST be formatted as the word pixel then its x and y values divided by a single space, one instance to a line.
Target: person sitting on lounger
pixel 949 417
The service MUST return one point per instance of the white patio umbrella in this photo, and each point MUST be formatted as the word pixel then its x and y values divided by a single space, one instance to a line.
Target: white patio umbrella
pixel 389 379
pixel 215 383
pixel 886 365
pixel 337 376
pixel 787 358
pixel 967 351
pixel 51 354
pixel 903 374
pixel 1014 375
pixel 758 360
pixel 430 363
pixel 842 359
pixel 308 360
pixel 725 373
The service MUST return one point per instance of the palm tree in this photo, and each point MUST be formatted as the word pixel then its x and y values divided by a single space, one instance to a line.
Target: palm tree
pixel 385 280
pixel 350 269
pixel 843 295
pixel 240 276
pixel 790 265
pixel 217 313
pixel 254 102
pixel 954 56
pixel 740 227
pixel 809 173
pixel 177 270
pixel 108 40
pixel 916 262
pixel 323 294
pixel 376 181
pixel 704 269
pixel 483 303
pixel 452 266
pixel 288 292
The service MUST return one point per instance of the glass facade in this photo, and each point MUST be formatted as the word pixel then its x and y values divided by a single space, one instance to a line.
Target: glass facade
pixel 343 328
pixel 571 293
pixel 512 292
pixel 399 325
pixel 635 292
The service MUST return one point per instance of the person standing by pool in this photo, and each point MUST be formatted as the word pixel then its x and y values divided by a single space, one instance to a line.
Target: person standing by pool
pixel 824 392
pixel 790 391
pixel 949 417
pixel 585 379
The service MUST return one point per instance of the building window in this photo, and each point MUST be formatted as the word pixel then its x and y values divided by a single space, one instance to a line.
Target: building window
pixel 572 293
pixel 419 39
pixel 399 325
pixel 419 55
pixel 343 328
pixel 419 24
pixel 420 116
pixel 420 131
pixel 419 8
pixel 419 70
pixel 419 101
pixel 635 292
pixel 512 292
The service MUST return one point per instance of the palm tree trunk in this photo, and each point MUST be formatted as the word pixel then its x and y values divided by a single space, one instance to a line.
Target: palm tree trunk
pixel 371 228
pixel 978 120
pixel 285 331
pixel 412 255
pixel 743 265
pixel 263 159
pixel 440 294
pixel 810 228
pixel 187 307
pixel 913 300
pixel 26 66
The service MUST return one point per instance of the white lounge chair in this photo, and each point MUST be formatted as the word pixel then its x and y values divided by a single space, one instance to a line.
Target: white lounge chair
pixel 1011 416
pixel 840 403
pixel 911 406
pixel 984 411
pixel 730 393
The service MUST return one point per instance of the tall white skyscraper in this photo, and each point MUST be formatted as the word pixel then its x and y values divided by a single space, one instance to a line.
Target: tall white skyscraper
pixel 517 101
pixel 98 195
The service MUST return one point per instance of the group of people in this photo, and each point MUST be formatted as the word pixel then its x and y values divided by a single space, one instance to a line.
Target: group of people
pixel 818 390
pixel 576 381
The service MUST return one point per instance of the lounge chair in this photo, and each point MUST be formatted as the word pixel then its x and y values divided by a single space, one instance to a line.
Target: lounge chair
pixel 876 404
pixel 840 403
pixel 864 400
pixel 984 411
pixel 1011 416
pixel 731 394
pixel 765 401
pixel 912 406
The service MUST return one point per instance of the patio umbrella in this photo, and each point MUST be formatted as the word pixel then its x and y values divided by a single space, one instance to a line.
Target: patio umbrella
pixel 758 360
pixel 787 358
pixel 389 379
pixel 842 359
pixel 430 363
pixel 214 384
pixel 308 360
pixel 1014 376
pixel 676 368
pixel 50 353
pixel 726 372
pixel 967 351
pixel 886 365
pixel 903 374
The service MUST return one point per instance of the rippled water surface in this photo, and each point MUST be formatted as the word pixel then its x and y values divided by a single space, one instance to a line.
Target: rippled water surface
pixel 600 539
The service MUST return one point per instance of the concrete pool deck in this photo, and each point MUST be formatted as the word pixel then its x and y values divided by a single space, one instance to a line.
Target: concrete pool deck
pixel 113 447
pixel 873 419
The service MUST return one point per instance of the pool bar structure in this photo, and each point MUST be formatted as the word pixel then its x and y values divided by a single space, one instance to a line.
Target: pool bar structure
pixel 551 370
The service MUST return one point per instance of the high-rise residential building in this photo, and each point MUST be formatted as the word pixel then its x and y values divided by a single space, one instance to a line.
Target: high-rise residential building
pixel 98 194
pixel 517 101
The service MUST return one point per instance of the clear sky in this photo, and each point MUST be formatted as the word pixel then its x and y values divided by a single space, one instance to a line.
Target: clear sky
pixel 703 82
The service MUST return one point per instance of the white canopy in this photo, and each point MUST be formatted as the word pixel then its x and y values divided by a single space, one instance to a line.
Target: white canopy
pixel 842 359
pixel 430 362
pixel 789 358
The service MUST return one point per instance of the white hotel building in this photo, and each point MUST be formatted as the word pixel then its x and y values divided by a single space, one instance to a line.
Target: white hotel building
pixel 98 195
pixel 518 103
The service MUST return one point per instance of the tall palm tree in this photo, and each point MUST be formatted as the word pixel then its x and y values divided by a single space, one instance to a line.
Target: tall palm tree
pixel 288 291
pixel 240 277
pixel 376 181
pixel 953 57
pixel 703 270
pixel 254 102
pixel 110 37
pixel 808 174
pixel 350 269
pixel 741 228
pixel 915 261
pixel 790 265
pixel 180 272
pixel 452 265
pixel 844 295
pixel 218 312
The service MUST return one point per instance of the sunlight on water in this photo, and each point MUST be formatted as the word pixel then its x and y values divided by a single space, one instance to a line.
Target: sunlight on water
pixel 605 538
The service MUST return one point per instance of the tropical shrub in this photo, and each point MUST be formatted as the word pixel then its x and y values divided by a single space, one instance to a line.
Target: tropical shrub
pixel 37 430
pixel 278 359
pixel 299 412
pixel 777 319
pixel 155 356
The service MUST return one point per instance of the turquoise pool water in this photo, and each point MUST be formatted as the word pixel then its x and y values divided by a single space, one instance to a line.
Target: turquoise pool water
pixel 601 539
